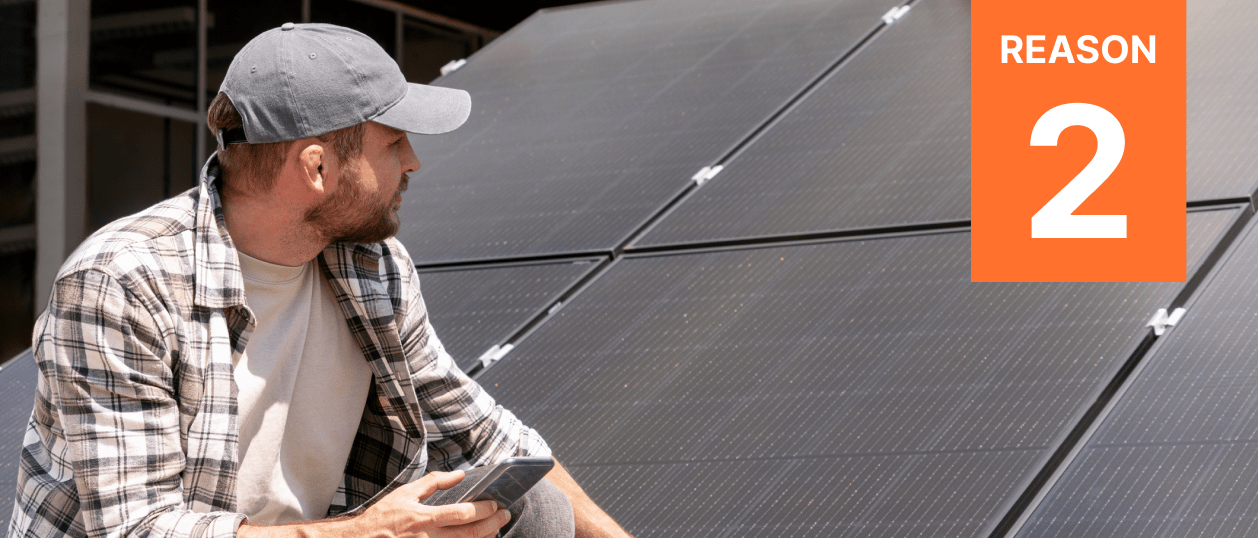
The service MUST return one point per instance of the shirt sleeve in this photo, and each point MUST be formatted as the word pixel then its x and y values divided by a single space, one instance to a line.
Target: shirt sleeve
pixel 464 425
pixel 112 459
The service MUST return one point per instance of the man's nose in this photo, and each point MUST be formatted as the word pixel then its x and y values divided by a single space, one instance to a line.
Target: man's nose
pixel 411 162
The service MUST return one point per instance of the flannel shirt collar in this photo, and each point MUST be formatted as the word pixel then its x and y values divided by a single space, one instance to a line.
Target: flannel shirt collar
pixel 219 283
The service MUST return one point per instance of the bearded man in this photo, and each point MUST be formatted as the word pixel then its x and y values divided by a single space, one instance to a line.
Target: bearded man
pixel 253 357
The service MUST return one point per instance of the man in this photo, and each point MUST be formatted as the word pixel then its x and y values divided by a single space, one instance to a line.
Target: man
pixel 253 357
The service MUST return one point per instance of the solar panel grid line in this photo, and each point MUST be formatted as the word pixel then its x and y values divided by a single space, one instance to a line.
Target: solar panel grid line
pixel 1142 429
pixel 924 465
pixel 831 236
pixel 478 308
pixel 646 224
pixel 806 340
pixel 1182 508
pixel 776 50
pixel 545 312
pixel 755 133
pixel 472 263
pixel 701 443
pixel 1075 440
pixel 801 178
pixel 631 327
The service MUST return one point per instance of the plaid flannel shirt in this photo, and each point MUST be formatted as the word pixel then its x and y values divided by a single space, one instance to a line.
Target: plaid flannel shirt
pixel 134 428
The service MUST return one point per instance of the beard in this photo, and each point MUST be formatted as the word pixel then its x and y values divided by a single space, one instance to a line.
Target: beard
pixel 350 217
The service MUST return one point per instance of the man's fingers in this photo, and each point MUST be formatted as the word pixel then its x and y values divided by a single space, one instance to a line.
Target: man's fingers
pixel 464 513
pixel 488 526
pixel 430 483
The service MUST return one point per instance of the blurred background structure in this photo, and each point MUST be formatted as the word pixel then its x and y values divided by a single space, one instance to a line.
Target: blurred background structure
pixel 717 252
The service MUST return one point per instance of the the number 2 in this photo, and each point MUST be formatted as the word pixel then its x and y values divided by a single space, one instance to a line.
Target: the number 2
pixel 1055 219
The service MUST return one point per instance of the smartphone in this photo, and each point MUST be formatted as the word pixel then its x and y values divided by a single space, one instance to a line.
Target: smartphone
pixel 509 481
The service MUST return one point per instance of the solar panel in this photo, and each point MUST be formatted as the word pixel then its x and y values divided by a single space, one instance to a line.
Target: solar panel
pixel 473 309
pixel 586 121
pixel 884 141
pixel 866 382
pixel 17 397
pixel 1177 454
pixel 1220 99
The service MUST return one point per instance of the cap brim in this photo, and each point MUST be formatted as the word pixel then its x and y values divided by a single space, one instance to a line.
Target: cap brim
pixel 428 110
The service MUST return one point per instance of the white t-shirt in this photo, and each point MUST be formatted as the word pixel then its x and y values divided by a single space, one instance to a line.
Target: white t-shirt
pixel 302 384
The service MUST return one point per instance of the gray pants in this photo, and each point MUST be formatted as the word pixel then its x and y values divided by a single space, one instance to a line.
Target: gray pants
pixel 544 512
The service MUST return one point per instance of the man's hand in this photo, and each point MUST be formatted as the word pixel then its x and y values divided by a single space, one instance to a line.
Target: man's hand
pixel 400 515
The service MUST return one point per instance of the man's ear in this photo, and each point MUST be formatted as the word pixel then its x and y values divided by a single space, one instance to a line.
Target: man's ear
pixel 313 166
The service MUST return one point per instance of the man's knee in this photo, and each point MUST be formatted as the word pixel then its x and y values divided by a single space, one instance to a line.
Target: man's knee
pixel 544 511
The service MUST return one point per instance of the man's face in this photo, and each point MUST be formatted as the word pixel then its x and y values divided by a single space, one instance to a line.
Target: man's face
pixel 364 206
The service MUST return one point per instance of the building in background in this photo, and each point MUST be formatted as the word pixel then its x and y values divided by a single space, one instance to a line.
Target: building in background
pixel 110 96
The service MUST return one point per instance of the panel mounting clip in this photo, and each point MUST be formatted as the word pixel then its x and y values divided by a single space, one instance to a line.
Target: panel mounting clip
pixel 1162 320
pixel 705 174
pixel 493 355
pixel 555 308
pixel 452 65
pixel 895 14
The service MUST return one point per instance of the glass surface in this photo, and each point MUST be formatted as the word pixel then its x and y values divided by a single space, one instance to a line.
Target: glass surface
pixel 145 49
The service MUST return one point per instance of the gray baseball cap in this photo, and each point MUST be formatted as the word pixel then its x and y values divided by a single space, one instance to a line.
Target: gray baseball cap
pixel 304 80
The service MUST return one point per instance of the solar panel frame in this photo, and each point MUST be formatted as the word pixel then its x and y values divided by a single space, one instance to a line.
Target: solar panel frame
pixel 473 308
pixel 619 372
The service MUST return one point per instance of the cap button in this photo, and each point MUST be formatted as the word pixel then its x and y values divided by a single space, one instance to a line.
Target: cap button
pixel 286 26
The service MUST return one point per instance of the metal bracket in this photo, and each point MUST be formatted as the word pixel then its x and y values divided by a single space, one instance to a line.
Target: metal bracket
pixel 705 174
pixel 895 14
pixel 452 65
pixel 1162 320
pixel 555 308
pixel 494 354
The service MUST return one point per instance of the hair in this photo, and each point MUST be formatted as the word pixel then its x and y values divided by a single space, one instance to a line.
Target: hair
pixel 252 168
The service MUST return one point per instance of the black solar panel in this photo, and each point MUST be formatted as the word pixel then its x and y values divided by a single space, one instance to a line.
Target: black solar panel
pixel 473 309
pixel 588 120
pixel 867 382
pixel 17 397
pixel 884 141
pixel 1220 98
pixel 1177 454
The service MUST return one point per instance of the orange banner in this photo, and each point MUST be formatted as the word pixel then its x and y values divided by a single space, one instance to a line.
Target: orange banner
pixel 1078 141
